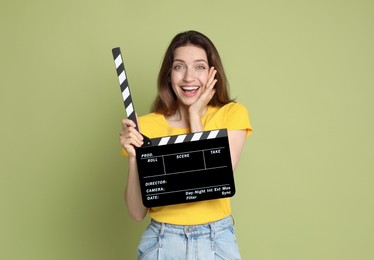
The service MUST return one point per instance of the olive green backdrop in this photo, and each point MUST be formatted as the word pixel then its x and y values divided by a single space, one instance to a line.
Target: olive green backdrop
pixel 304 69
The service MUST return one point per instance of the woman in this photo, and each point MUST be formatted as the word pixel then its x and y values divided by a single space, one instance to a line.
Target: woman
pixel 192 97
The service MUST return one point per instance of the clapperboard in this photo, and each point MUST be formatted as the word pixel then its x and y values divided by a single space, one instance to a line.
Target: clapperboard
pixel 181 168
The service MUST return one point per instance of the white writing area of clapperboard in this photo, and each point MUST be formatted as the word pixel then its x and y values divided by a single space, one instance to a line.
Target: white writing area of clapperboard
pixel 182 168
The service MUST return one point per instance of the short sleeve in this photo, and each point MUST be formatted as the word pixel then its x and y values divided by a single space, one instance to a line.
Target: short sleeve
pixel 237 118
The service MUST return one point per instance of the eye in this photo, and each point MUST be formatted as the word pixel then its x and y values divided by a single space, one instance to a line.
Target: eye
pixel 178 67
pixel 200 67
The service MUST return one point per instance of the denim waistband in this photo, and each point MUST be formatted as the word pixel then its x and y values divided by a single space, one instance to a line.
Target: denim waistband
pixel 203 229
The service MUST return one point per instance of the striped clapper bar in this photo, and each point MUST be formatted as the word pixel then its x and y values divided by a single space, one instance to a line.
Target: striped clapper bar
pixel 180 168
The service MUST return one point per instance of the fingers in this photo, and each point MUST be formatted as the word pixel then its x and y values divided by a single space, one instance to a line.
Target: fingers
pixel 207 93
pixel 130 137
pixel 209 86
pixel 211 78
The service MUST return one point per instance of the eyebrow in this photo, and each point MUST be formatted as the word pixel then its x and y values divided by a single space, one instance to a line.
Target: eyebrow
pixel 195 61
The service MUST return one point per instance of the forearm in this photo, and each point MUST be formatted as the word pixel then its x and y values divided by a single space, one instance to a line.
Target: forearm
pixel 236 141
pixel 133 196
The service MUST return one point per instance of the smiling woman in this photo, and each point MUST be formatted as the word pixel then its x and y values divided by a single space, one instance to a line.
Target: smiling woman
pixel 206 58
pixel 192 97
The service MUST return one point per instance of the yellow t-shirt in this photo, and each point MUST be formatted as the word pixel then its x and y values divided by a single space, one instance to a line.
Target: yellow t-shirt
pixel 233 116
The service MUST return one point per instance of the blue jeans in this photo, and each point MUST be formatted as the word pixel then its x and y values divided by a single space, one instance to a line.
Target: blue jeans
pixel 214 240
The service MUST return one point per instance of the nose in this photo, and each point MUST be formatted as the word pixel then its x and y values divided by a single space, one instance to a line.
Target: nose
pixel 189 75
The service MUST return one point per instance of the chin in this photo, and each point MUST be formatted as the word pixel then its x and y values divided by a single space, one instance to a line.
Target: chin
pixel 188 103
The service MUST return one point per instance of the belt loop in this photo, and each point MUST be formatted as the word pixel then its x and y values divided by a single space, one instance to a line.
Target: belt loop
pixel 211 225
pixel 162 229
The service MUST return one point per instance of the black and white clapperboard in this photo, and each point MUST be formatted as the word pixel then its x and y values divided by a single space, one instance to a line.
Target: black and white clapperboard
pixel 181 168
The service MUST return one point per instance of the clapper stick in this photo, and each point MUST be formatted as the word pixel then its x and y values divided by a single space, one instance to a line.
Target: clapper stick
pixel 125 90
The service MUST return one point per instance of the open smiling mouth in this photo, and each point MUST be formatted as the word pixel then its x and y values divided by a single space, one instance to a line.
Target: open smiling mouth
pixel 190 91
pixel 190 88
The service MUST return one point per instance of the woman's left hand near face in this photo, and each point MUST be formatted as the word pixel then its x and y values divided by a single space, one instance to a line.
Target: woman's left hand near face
pixel 206 94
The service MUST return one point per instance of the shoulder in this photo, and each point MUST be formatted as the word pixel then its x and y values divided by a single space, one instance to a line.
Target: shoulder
pixel 235 111
pixel 152 124
pixel 151 120
pixel 230 109
pixel 234 107
pixel 233 116
pixel 150 117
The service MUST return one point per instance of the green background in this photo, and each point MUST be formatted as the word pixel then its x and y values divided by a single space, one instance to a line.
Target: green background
pixel 304 69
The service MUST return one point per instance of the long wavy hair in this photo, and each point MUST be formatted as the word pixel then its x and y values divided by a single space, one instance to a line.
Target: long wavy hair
pixel 166 101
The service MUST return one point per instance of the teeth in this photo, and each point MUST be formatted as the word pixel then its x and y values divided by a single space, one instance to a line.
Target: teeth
pixel 190 88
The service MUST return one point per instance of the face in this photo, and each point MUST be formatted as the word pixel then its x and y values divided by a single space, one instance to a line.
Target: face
pixel 189 73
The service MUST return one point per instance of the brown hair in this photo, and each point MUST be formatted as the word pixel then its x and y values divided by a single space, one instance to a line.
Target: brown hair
pixel 166 100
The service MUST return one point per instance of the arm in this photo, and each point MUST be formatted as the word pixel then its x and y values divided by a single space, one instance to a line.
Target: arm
pixel 133 196
pixel 130 137
pixel 236 141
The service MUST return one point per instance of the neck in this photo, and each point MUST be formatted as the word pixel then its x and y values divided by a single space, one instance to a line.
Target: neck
pixel 180 119
pixel 182 114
